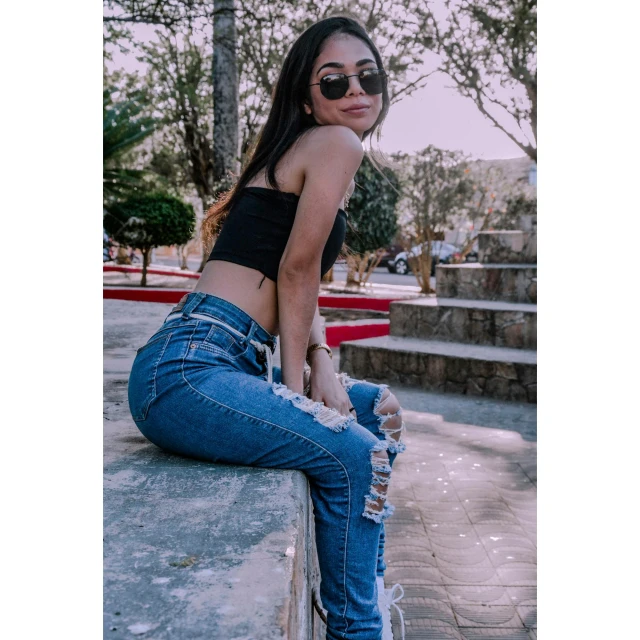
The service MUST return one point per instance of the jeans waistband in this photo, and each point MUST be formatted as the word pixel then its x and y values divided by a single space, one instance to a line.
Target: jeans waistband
pixel 213 308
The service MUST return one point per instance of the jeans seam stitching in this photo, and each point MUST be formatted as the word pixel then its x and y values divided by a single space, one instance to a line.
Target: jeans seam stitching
pixel 344 571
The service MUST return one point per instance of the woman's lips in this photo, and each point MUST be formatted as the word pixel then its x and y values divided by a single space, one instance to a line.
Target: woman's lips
pixel 357 112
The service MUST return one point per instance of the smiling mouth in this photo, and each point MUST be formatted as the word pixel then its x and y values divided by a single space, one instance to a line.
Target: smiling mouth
pixel 357 110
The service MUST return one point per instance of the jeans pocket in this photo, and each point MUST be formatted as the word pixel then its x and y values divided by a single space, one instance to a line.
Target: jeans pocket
pixel 142 380
pixel 224 341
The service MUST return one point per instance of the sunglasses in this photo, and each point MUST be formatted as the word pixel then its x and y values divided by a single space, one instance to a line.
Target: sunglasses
pixel 334 86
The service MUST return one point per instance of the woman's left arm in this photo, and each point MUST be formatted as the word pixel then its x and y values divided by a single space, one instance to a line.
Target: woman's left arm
pixel 324 384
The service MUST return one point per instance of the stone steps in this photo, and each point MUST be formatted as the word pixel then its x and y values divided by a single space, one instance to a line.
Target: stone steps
pixel 477 281
pixel 450 367
pixel 481 322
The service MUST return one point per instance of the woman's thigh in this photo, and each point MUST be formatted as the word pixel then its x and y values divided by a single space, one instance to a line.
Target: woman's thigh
pixel 223 414
pixel 368 399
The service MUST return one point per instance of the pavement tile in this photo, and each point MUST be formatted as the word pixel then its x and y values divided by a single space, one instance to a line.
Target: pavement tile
pixel 474 556
pixel 399 486
pixel 460 473
pixel 454 537
pixel 472 483
pixel 492 515
pixel 401 530
pixel 452 574
pixel 482 633
pixel 427 608
pixel 506 555
pixel 431 592
pixel 445 532
pixel 480 493
pixel 406 515
pixel 409 557
pixel 426 629
pixel 529 615
pixel 493 616
pixel 436 492
pixel 413 576
pixel 525 516
pixel 479 595
pixel 523 595
pixel 443 513
pixel 505 530
pixel 514 483
pixel 517 575
pixel 521 495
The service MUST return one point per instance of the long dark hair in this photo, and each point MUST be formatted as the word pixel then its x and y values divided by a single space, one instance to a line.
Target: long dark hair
pixel 287 119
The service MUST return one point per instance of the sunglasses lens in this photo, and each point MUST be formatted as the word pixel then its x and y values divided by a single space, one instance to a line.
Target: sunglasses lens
pixel 335 85
pixel 372 81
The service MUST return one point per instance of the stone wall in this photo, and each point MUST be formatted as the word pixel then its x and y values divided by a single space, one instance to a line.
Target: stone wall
pixel 475 281
pixel 503 380
pixel 473 325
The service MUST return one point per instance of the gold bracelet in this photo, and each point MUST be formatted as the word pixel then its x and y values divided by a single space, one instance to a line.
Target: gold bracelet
pixel 318 345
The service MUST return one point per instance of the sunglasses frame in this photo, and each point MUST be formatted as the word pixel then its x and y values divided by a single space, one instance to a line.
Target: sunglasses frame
pixel 382 73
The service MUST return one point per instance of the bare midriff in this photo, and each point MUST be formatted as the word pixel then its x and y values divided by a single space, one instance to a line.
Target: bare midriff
pixel 247 288
pixel 241 286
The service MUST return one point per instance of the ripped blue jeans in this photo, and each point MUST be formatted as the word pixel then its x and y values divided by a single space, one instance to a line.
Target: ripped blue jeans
pixel 204 386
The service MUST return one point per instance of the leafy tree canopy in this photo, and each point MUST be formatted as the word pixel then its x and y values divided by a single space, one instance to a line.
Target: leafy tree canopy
pixel 372 209
pixel 151 220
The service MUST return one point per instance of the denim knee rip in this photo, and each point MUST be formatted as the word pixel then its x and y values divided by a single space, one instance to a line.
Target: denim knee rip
pixel 392 434
pixel 376 507
pixel 327 416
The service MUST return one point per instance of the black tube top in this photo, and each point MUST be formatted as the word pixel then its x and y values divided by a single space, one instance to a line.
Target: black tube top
pixel 257 228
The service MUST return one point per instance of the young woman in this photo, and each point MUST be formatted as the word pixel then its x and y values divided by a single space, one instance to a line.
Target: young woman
pixel 204 385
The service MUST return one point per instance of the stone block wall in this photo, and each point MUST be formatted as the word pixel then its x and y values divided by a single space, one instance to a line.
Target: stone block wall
pixel 484 326
pixel 507 247
pixel 475 281
pixel 503 380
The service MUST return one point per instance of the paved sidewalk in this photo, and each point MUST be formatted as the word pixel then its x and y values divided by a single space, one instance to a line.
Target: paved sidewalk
pixel 462 541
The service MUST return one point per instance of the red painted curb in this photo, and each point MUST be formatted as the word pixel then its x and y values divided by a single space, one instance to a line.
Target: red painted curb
pixel 162 294
pixel 123 268
pixel 143 294
pixel 335 333
pixel 341 333
pixel 356 302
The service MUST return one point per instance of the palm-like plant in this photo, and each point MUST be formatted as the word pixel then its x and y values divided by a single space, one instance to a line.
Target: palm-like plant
pixel 123 127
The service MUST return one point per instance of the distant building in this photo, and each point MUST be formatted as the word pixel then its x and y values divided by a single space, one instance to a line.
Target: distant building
pixel 533 175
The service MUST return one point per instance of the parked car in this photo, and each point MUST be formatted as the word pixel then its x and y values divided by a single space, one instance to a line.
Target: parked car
pixel 440 251
pixel 390 253
pixel 472 256
pixel 107 247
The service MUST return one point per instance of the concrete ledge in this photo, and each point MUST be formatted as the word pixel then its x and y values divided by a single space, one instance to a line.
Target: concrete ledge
pixel 193 549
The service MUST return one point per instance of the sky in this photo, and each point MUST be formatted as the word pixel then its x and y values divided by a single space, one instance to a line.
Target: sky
pixel 441 116
pixel 435 115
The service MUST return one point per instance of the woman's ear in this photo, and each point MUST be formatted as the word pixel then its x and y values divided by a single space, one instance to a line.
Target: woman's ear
pixel 307 108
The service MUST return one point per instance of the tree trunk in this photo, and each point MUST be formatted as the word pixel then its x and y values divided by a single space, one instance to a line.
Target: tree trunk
pixel 226 160
pixel 122 257
pixel 225 94
pixel 146 258
pixel 328 277
pixel 182 256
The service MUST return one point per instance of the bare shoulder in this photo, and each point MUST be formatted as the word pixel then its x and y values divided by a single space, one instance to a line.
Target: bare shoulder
pixel 334 140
